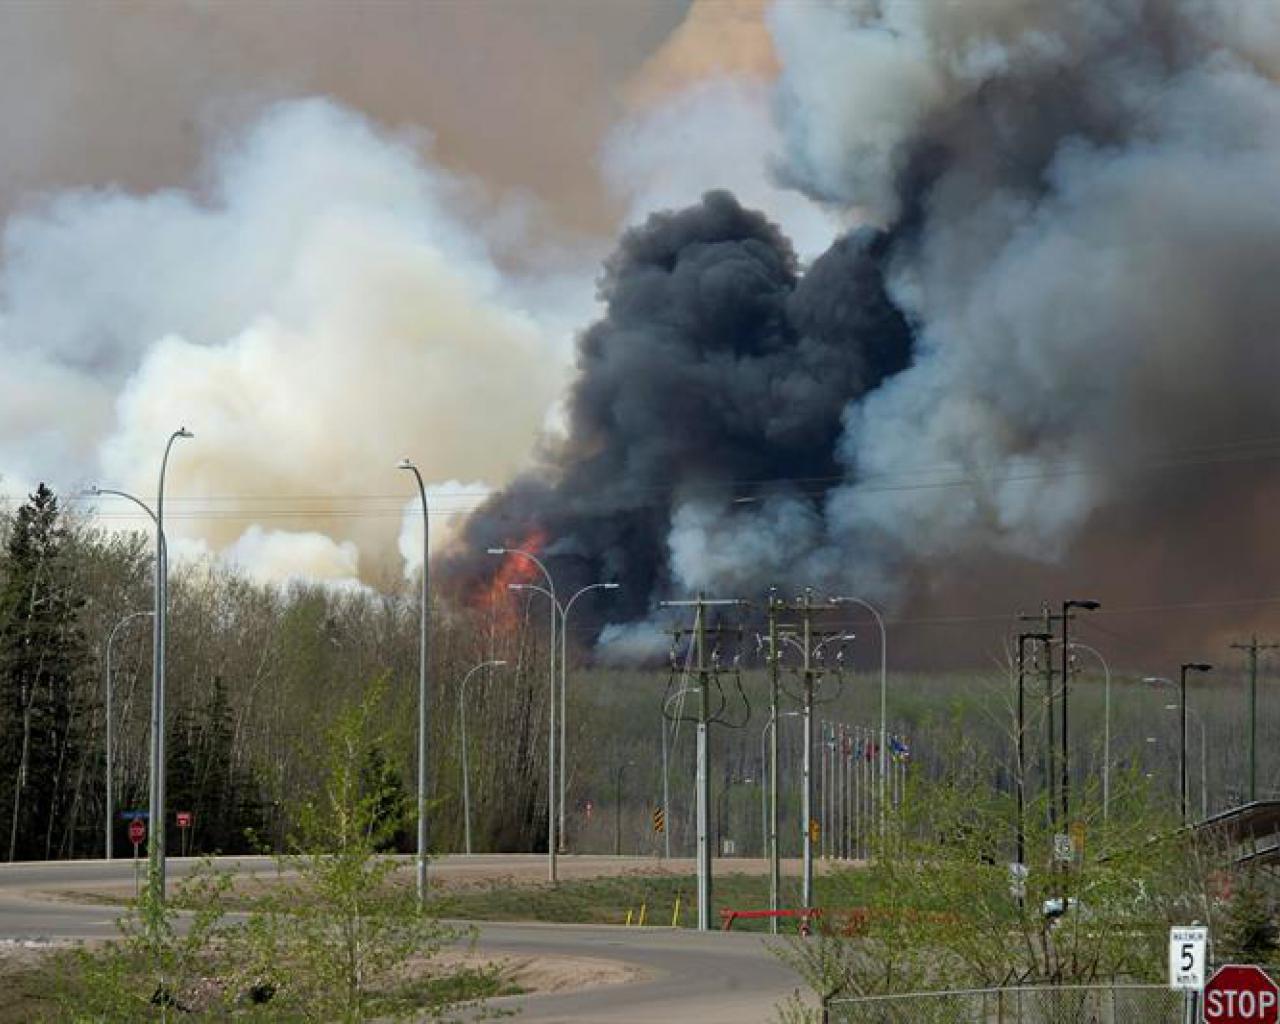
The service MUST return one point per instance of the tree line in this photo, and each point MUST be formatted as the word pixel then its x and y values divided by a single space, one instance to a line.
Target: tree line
pixel 254 674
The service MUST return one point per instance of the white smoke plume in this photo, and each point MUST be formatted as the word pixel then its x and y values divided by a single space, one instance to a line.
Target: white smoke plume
pixel 327 302
pixel 716 133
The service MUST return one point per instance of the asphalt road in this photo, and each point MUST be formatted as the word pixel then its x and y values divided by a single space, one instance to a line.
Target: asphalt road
pixel 684 975
pixel 711 978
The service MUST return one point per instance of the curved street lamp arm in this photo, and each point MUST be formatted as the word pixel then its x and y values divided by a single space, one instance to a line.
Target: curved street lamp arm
pixel 97 491
pixel 536 589
pixel 564 612
pixel 534 559
pixel 164 466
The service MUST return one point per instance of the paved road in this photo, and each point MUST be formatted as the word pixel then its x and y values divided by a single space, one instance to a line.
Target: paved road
pixel 691 976
pixel 686 976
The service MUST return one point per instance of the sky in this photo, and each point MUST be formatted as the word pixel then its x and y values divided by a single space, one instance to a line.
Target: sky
pixel 1010 288
pixel 198 199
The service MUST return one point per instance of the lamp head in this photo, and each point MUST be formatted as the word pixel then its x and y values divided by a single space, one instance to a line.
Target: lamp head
pixel 1154 679
pixel 496 551
pixel 183 432
pixel 517 586
pixel 1089 606
pixel 404 464
pixel 495 664
pixel 1198 666
pixel 611 586
pixel 93 490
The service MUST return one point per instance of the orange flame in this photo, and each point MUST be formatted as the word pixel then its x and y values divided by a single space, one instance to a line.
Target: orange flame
pixel 494 598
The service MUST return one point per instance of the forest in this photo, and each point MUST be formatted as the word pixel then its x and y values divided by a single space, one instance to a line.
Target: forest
pixel 255 673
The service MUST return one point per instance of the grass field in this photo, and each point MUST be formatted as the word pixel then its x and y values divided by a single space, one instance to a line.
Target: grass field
pixel 609 900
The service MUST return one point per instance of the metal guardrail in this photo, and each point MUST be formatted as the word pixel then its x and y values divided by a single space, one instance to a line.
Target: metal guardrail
pixel 1047 1004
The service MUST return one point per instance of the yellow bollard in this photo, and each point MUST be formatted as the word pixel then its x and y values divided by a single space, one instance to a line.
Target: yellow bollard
pixel 643 908
pixel 628 921
pixel 675 913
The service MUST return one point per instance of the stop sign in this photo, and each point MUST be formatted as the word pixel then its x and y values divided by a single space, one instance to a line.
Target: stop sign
pixel 137 831
pixel 1241 994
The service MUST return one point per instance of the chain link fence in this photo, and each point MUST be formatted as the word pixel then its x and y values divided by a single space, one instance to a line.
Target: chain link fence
pixel 1059 1004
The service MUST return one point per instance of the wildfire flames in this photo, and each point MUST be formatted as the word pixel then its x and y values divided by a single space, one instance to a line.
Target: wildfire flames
pixel 494 597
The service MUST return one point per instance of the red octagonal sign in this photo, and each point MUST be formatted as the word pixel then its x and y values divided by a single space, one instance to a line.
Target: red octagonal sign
pixel 1241 994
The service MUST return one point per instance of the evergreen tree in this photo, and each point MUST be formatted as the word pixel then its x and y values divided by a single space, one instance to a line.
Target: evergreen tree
pixel 42 651
pixel 203 778
pixel 391 805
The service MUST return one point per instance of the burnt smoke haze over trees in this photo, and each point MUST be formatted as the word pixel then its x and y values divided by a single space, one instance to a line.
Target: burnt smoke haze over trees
pixel 1047 360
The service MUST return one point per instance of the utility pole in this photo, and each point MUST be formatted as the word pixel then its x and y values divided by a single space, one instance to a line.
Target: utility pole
pixel 700 633
pixel 775 861
pixel 1253 647
pixel 1046 620
pixel 806 772
pixel 810 643
pixel 1020 738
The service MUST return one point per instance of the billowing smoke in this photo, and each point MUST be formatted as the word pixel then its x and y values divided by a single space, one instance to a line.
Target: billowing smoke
pixel 326 303
pixel 718 373
pixel 1060 326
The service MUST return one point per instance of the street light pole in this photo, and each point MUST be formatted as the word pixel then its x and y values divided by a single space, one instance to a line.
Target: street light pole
pixel 1156 681
pixel 423 720
pixel 764 791
pixel 1192 666
pixel 1204 758
pixel 884 691
pixel 550 591
pixel 462 723
pixel 564 700
pixel 617 809
pixel 1086 605
pixel 1106 727
pixel 666 789
pixel 768 788
pixel 111 637
pixel 155 844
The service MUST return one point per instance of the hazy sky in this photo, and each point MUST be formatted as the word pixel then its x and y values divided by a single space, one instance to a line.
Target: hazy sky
pixel 410 199
pixel 516 92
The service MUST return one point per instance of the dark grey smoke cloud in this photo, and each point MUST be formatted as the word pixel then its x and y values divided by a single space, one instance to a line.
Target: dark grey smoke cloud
pixel 718 372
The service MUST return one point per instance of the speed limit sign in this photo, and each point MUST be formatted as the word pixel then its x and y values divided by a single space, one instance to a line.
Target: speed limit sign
pixel 1187 957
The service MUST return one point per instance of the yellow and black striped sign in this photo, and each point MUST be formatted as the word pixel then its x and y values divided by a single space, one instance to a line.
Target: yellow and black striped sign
pixel 659 820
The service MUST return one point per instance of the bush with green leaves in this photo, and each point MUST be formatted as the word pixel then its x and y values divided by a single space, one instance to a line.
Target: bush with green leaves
pixel 337 935
pixel 938 906
pixel 341 930
pixel 165 962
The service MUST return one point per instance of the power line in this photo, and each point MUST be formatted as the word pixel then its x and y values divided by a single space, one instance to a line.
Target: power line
pixel 1226 453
